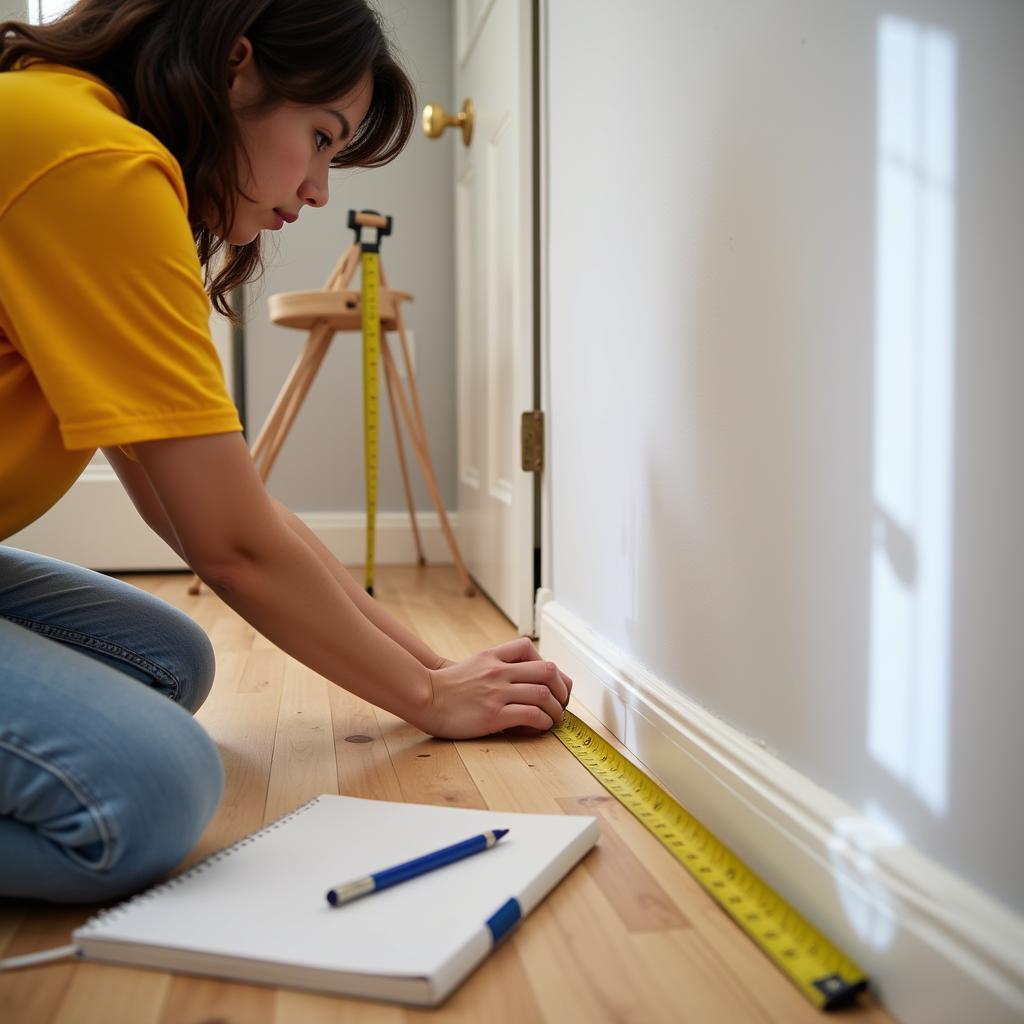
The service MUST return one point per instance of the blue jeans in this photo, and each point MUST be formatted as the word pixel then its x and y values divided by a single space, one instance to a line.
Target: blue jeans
pixel 106 780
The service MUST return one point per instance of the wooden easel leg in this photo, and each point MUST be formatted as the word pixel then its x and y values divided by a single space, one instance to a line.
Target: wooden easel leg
pixel 344 270
pixel 407 359
pixel 413 390
pixel 295 388
pixel 422 453
pixel 293 394
pixel 396 426
pixel 320 341
pixel 429 466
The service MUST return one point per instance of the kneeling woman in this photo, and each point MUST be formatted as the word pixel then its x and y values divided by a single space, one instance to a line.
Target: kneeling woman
pixel 140 138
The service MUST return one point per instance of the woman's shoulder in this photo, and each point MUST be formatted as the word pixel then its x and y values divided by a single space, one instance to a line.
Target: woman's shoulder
pixel 54 113
pixel 38 81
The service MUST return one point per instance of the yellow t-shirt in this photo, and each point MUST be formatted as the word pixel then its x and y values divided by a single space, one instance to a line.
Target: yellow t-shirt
pixel 104 323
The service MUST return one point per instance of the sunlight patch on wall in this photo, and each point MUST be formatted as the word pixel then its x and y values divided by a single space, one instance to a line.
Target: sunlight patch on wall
pixel 914 406
pixel 854 848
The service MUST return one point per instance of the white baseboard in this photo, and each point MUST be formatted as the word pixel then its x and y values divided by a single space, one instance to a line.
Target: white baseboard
pixel 344 533
pixel 96 525
pixel 936 948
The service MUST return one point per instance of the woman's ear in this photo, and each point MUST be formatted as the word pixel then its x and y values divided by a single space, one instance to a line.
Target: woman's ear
pixel 240 63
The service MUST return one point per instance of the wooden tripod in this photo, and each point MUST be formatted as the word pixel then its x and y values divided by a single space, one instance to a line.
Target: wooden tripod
pixel 323 313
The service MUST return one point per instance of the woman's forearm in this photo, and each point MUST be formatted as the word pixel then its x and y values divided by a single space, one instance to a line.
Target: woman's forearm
pixel 241 545
pixel 373 610
pixel 290 596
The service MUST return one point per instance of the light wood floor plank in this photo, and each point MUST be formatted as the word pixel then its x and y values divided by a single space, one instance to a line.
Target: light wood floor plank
pixel 34 996
pixel 99 995
pixel 641 904
pixel 241 715
pixel 559 774
pixel 191 1000
pixel 303 765
pixel 454 625
pixel 429 771
pixel 310 1008
pixel 503 778
pixel 501 995
pixel 685 974
pixel 12 915
pixel 577 961
pixel 362 760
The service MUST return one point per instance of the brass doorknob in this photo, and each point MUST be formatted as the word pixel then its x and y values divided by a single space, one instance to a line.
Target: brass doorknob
pixel 436 119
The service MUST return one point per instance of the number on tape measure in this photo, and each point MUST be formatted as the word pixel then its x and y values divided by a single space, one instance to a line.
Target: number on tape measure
pixel 823 974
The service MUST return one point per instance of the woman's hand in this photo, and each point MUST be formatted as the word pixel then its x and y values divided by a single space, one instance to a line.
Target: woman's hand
pixel 508 687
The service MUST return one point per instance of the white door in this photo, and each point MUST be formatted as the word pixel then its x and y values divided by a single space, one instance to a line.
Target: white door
pixel 95 524
pixel 494 299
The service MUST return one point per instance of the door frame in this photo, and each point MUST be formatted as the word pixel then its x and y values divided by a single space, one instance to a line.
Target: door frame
pixel 543 567
pixel 521 598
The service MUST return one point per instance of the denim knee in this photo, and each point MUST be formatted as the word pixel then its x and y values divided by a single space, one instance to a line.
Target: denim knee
pixel 110 621
pixel 175 789
pixel 197 661
pixel 110 832
pixel 105 785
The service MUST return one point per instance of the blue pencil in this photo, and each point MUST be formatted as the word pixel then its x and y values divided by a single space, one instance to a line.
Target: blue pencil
pixel 412 868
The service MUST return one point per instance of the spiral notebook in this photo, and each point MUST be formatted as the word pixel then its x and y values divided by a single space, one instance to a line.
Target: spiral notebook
pixel 257 911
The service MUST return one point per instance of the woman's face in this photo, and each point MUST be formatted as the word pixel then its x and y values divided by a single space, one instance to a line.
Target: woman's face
pixel 290 149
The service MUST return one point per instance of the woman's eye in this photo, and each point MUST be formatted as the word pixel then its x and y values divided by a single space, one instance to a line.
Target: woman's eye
pixel 320 146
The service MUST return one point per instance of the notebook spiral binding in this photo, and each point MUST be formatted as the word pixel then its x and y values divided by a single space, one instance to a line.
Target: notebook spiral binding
pixel 97 921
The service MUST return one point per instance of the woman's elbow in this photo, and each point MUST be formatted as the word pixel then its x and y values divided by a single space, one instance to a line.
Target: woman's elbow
pixel 226 571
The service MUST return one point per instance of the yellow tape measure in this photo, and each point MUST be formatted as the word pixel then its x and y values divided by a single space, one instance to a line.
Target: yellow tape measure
pixel 823 974
pixel 371 396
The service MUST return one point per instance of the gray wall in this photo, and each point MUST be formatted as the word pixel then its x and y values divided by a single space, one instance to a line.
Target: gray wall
pixel 10 10
pixel 321 465
pixel 786 471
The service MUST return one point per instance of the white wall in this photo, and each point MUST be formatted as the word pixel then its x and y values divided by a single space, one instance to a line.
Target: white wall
pixel 785 370
pixel 321 465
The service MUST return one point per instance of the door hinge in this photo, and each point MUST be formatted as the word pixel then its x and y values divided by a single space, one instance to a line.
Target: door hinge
pixel 533 441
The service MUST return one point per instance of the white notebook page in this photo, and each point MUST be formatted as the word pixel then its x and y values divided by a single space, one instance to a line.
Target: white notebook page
pixel 266 899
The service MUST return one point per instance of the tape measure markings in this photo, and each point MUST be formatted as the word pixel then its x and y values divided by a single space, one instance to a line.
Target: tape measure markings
pixel 821 972
pixel 371 395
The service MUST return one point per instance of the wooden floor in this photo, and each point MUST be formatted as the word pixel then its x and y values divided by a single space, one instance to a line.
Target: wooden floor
pixel 628 936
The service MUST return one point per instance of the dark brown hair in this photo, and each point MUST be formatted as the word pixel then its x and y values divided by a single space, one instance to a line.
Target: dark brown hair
pixel 167 62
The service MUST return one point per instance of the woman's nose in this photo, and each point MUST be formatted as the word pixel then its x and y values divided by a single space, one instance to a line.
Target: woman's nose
pixel 314 192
